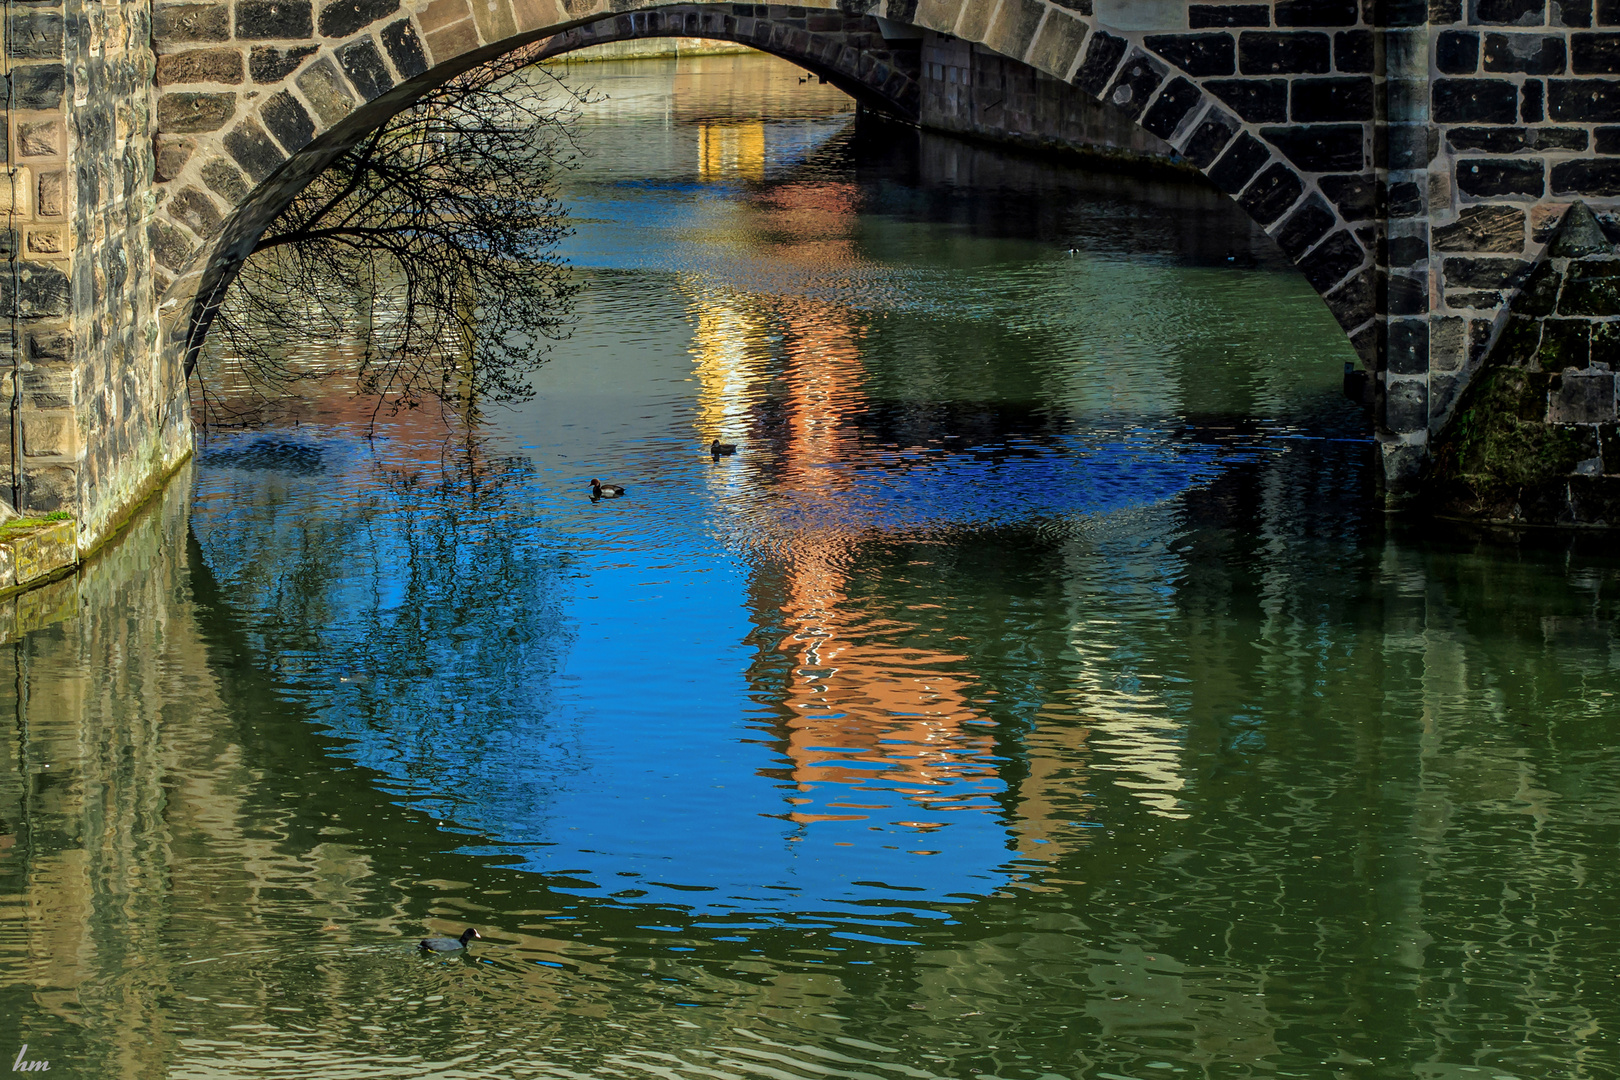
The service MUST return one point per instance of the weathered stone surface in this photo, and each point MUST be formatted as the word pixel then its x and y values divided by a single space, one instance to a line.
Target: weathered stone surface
pixel 325 91
pixel 1263 53
pixel 40 138
pixel 1331 100
pixel 200 66
pixel 286 119
pixel 1102 57
pixel 269 64
pixel 270 19
pixel 1484 228
pixel 1256 101
pixel 1172 107
pixel 1457 52
pixel 1210 137
pixel 1137 80
pixel 186 112
pixel 1582 397
pixel 1196 54
pixel 1320 147
pixel 1305 226
pixel 1203 16
pixel 1488 177
pixel 176 24
pixel 252 150
pixel 364 66
pixel 1532 54
pixel 1475 101
pixel 34 35
pixel 1238 165
pixel 37 87
pixel 342 18
pixel 1272 192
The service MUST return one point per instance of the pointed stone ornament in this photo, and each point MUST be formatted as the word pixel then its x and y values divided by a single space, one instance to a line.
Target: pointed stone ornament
pixel 1579 235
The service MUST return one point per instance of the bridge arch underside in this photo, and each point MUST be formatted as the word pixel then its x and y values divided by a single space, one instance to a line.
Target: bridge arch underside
pixel 1309 186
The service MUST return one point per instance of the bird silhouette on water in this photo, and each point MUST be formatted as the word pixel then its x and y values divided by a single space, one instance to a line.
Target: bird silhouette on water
pixel 448 944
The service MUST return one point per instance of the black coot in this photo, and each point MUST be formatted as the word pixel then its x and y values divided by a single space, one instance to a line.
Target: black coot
pixel 446 944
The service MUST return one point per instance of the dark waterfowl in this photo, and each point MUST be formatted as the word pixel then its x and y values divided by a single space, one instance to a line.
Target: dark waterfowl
pixel 447 944
pixel 721 449
pixel 600 490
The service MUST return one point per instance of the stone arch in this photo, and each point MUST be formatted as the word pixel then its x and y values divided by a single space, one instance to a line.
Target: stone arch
pixel 1294 148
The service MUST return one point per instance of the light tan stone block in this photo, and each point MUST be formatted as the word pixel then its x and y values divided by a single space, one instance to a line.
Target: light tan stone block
pixel 975 20
pixel 50 434
pixel 46 242
pixel 940 15
pixel 495 19
pixel 441 13
pixel 1057 46
pixel 537 14
pixel 452 41
pixel 1013 29
pixel 15 195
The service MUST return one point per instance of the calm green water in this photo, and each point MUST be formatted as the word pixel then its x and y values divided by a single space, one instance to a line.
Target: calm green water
pixel 1031 695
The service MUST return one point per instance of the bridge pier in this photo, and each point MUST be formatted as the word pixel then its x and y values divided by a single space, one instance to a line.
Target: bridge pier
pixel 97 414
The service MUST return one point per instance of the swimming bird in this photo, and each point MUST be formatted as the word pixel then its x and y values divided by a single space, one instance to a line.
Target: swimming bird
pixel 445 944
pixel 600 490
pixel 720 449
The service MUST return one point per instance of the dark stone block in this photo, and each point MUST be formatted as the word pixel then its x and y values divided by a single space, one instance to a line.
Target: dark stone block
pixel 1102 57
pixel 1594 54
pixel 1583 101
pixel 1559 138
pixel 37 86
pixel 405 49
pixel 1353 50
pixel 1239 164
pixel 1305 226
pixel 1406 250
pixel 181 113
pixel 1591 289
pixel 1530 103
pixel 1315 13
pixel 288 122
pixel 1171 108
pixel 261 19
pixel 1483 301
pixel 170 246
pixel 1408 350
pixel 1268 53
pixel 1352 302
pixel 1328 100
pixel 1257 101
pixel 1333 259
pixel 1606 140
pixel 199 66
pixel 1483 228
pixel 1510 12
pixel 345 17
pixel 1532 54
pixel 1484 273
pixel 1596 178
pixel 1457 52
pixel 1355 196
pixel 364 66
pixel 1445 12
pixel 1503 140
pixel 1203 16
pixel 1411 146
pixel 1272 192
pixel 35 35
pixel 1211 137
pixel 1320 147
pixel 253 150
pixel 1606 350
pixel 1540 292
pixel 1608 12
pixel 1568 343
pixel 1406 406
pixel 174 24
pixel 1134 84
pixel 226 181
pixel 1196 54
pixel 1475 101
pixel 1572 13
pixel 268 64
pixel 1500 176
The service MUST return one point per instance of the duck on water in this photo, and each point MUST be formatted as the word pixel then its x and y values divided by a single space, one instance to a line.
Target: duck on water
pixel 720 449
pixel 446 944
pixel 600 490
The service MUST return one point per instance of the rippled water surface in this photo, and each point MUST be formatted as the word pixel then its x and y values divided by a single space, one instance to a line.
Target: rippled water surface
pixel 1032 694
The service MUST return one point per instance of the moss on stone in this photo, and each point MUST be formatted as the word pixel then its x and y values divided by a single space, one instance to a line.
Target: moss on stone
pixel 1499 443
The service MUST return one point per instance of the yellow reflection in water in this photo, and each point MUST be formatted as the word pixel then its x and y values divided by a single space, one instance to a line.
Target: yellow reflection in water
pixel 731 151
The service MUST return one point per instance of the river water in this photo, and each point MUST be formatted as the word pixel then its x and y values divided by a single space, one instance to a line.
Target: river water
pixel 1033 694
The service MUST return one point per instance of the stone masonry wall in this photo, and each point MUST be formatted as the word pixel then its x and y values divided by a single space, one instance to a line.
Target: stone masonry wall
pixel 968 89
pixel 101 417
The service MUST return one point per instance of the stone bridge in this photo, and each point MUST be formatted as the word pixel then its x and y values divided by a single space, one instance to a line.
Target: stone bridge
pixel 1414 161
